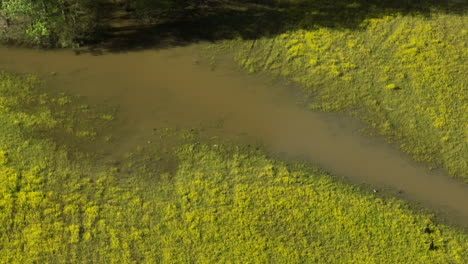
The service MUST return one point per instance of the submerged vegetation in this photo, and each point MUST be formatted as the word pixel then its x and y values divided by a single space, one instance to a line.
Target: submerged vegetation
pixel 220 203
pixel 402 72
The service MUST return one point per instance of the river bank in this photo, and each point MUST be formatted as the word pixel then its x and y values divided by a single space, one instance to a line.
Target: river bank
pixel 177 88
pixel 219 197
pixel 148 148
pixel 403 75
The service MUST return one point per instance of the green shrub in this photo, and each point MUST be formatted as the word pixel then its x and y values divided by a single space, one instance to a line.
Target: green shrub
pixel 48 23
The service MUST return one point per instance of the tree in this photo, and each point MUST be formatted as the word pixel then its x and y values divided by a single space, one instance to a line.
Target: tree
pixel 49 22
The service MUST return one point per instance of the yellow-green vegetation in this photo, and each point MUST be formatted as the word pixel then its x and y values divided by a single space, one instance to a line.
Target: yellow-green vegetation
pixel 220 204
pixel 405 74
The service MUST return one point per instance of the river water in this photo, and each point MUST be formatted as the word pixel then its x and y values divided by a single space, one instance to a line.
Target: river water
pixel 171 87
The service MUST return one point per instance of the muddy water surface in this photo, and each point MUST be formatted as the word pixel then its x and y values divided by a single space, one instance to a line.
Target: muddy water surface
pixel 171 88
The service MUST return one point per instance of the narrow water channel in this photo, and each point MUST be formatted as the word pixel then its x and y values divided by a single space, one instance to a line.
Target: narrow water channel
pixel 171 87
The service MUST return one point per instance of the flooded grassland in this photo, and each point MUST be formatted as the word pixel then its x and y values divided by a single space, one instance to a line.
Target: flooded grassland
pixel 170 170
pixel 176 88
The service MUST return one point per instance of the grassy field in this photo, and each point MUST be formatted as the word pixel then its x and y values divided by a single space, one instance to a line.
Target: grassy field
pixel 221 203
pixel 402 71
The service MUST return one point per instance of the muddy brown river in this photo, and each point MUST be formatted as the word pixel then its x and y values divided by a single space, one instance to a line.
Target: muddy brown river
pixel 170 87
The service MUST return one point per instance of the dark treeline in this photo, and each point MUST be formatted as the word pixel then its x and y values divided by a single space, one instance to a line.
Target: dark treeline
pixel 71 23
pixel 60 23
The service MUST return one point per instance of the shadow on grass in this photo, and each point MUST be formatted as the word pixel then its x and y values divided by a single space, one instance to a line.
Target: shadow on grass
pixel 230 19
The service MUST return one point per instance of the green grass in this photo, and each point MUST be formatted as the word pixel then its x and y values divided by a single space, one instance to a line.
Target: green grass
pixel 404 74
pixel 220 204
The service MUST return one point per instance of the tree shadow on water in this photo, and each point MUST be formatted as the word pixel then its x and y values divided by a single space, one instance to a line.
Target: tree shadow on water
pixel 216 20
